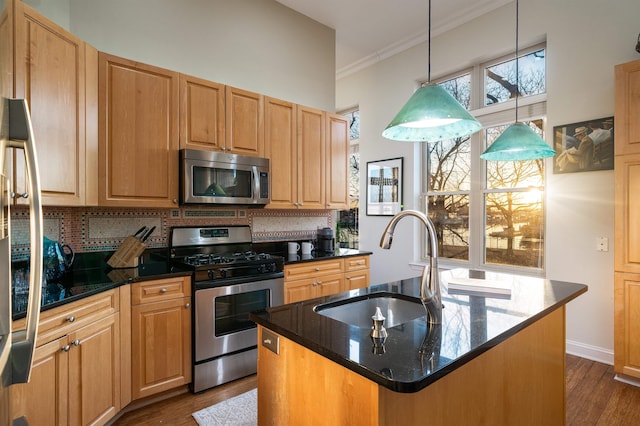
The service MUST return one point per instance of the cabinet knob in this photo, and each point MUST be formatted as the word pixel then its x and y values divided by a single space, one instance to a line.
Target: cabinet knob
pixel 23 195
pixel 188 305
pixel 174 201
pixel 163 290
pixel 71 318
pixel 319 282
pixel 347 277
pixel 317 269
pixel 66 348
pixel 76 342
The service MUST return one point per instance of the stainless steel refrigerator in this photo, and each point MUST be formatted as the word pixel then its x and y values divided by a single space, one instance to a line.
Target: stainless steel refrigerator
pixel 17 346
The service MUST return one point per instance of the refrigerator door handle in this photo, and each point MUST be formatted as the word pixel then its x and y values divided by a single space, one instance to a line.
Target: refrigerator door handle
pixel 24 341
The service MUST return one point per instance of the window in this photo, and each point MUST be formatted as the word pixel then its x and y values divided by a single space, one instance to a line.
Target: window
pixel 347 221
pixel 490 214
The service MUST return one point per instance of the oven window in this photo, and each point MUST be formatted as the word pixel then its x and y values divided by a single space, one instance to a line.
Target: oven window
pixel 232 311
pixel 218 182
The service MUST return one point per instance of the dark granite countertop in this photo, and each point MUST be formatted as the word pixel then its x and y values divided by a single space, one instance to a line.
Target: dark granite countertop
pixel 90 275
pixel 472 324
pixel 280 249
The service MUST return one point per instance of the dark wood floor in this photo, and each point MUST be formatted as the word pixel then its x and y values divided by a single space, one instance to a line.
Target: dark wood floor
pixel 593 398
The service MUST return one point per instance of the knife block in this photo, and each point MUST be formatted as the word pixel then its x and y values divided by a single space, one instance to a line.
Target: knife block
pixel 127 254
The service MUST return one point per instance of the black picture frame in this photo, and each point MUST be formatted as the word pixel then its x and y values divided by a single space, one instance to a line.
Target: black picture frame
pixel 384 187
pixel 585 146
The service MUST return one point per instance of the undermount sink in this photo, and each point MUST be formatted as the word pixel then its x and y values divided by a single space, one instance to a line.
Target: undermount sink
pixel 359 310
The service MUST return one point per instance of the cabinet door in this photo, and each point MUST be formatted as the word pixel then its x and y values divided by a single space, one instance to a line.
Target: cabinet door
pixel 50 74
pixel 627 324
pixel 43 401
pixel 244 113
pixel 356 279
pixel 337 170
pixel 201 114
pixel 329 284
pixel 627 108
pixel 627 213
pixel 94 372
pixel 161 346
pixel 298 290
pixel 311 158
pixel 280 149
pixel 138 134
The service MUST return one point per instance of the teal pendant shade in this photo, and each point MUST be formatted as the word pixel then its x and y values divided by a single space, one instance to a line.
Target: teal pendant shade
pixel 518 143
pixel 431 115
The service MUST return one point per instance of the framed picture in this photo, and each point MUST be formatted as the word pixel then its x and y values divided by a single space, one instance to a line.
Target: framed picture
pixel 583 147
pixel 384 187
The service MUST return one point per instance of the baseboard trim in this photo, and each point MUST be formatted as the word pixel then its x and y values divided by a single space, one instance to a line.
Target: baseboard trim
pixel 593 353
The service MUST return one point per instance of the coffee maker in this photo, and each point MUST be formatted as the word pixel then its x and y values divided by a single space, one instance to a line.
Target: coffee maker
pixel 325 243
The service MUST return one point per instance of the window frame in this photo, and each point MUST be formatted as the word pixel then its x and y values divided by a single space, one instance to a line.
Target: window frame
pixel 529 108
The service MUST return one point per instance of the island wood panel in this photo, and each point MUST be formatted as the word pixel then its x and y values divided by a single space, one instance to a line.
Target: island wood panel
pixel 138 133
pixel 202 114
pixel 311 158
pixel 50 75
pixel 520 381
pixel 281 149
pixel 627 108
pixel 337 172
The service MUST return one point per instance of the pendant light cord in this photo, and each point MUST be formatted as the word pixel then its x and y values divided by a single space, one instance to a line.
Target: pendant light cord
pixel 429 47
pixel 517 68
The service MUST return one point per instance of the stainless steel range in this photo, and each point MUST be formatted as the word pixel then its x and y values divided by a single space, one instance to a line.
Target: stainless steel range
pixel 230 281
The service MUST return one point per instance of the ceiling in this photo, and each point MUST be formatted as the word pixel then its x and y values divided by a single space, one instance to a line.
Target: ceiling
pixel 371 30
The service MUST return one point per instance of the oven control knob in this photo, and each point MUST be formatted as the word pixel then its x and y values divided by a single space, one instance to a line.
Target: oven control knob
pixel 212 274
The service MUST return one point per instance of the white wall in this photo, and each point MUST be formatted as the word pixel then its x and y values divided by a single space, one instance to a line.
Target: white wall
pixel 585 39
pixel 258 45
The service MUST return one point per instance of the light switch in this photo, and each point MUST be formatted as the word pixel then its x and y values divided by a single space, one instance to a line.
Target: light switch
pixel 602 244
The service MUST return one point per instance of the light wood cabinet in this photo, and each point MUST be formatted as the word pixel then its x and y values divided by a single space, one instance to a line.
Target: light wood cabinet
pixel 308 280
pixel 75 378
pixel 202 112
pixel 281 145
pixel 161 335
pixel 311 154
pixel 138 134
pixel 337 165
pixel 627 220
pixel 244 122
pixel 56 73
pixel 357 272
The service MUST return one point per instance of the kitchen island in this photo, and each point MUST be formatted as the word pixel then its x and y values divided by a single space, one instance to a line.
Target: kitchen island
pixel 497 358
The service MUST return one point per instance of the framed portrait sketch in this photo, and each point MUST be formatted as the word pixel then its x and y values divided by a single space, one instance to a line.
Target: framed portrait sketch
pixel 384 187
pixel 583 147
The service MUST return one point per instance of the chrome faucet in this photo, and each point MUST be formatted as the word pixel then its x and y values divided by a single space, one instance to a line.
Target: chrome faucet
pixel 430 282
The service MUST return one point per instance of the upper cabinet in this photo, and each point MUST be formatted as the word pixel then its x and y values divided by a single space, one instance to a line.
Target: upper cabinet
pixel 311 158
pixel 138 133
pixel 281 148
pixel 244 116
pixel 337 167
pixel 627 108
pixel 56 73
pixel 201 114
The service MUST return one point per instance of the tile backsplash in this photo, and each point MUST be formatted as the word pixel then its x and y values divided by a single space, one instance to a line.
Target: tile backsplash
pixel 92 229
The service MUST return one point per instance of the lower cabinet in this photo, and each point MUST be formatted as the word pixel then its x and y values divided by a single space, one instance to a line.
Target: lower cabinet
pixel 627 324
pixel 325 277
pixel 160 335
pixel 75 378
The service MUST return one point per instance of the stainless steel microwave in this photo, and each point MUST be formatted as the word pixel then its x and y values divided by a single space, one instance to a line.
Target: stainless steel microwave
pixel 208 177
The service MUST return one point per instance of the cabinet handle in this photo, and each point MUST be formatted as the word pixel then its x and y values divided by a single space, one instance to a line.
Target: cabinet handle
pixel 174 201
pixel 163 290
pixel 347 277
pixel 317 269
pixel 76 342
pixel 188 305
pixel 23 195
pixel 66 348
pixel 319 282
pixel 71 318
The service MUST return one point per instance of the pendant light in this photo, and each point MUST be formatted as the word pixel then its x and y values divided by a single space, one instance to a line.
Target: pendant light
pixel 431 114
pixel 518 142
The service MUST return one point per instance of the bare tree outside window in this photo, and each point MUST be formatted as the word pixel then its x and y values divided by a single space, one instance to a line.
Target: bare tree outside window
pixel 347 224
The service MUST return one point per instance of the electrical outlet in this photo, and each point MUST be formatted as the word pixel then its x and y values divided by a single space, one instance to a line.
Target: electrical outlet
pixel 602 244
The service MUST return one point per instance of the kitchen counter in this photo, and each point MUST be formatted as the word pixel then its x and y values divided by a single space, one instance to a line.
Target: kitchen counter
pixel 90 275
pixel 472 324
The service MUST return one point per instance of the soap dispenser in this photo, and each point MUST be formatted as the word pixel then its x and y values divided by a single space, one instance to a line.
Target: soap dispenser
pixel 377 330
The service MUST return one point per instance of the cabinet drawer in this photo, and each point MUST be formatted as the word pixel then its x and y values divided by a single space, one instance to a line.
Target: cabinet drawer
pixel 310 269
pixel 63 320
pixel 159 290
pixel 356 263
